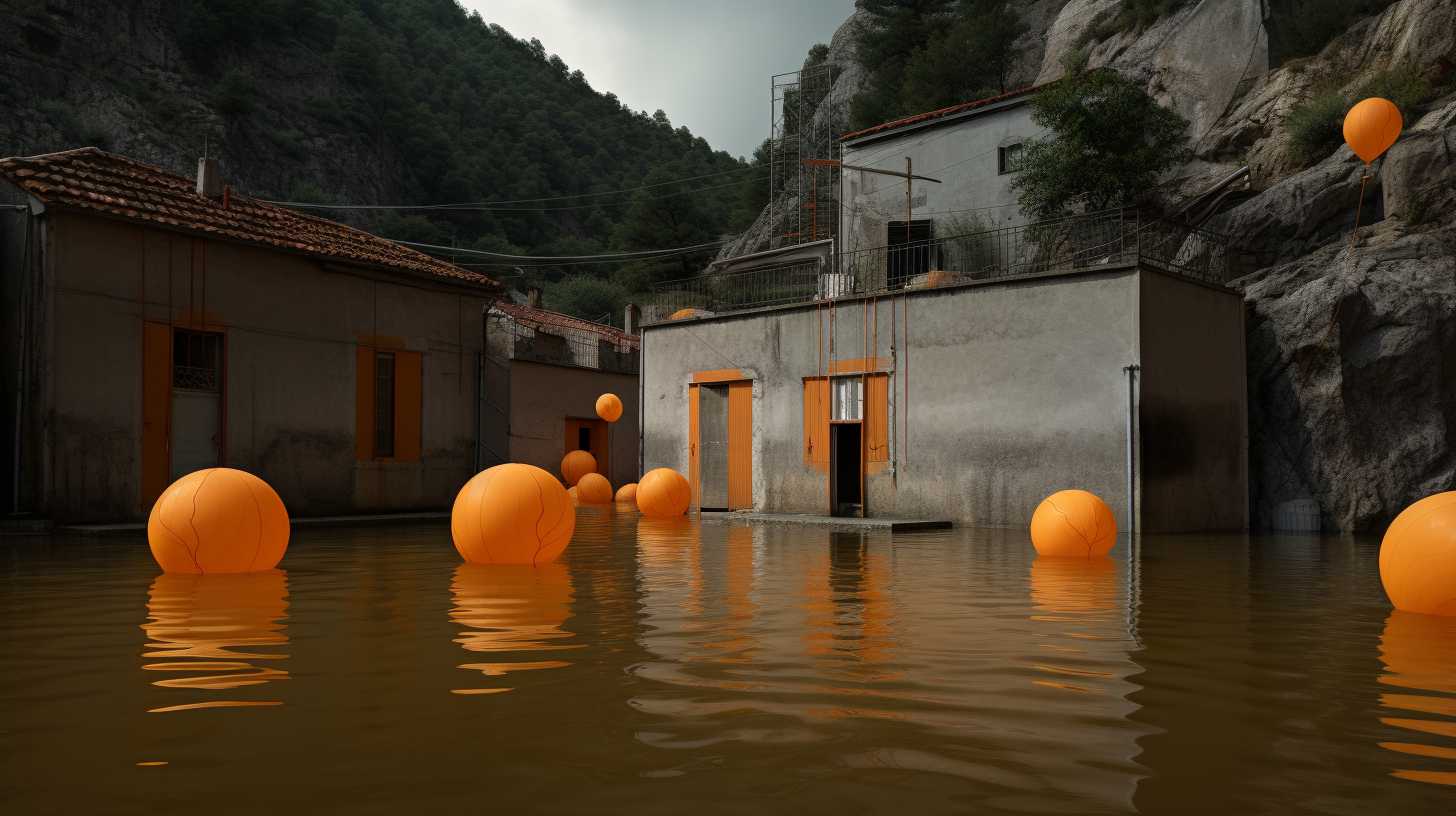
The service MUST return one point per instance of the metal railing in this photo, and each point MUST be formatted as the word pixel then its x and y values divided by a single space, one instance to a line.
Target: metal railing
pixel 562 345
pixel 1084 242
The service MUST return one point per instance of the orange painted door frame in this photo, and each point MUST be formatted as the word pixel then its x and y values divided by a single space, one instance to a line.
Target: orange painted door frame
pixel 694 474
pixel 740 445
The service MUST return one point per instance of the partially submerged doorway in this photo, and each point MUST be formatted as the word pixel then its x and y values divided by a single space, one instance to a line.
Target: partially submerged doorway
pixel 720 444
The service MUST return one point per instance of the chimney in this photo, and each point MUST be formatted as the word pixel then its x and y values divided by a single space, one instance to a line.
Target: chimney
pixel 533 297
pixel 209 178
pixel 633 319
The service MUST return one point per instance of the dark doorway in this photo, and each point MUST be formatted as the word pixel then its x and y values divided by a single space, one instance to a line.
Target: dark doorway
pixel 844 469
pixel 907 251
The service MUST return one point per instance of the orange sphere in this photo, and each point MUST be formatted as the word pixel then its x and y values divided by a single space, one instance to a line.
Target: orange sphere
pixel 609 407
pixel 627 494
pixel 512 514
pixel 218 520
pixel 663 493
pixel 594 489
pixel 577 464
pixel 1073 524
pixel 1418 557
pixel 1371 127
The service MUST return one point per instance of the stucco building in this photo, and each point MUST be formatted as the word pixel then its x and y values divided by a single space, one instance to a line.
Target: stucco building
pixel 963 372
pixel 152 324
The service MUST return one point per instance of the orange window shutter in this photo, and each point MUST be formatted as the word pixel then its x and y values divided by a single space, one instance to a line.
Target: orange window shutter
pixel 693 481
pixel 408 405
pixel 364 404
pixel 816 421
pixel 156 410
pixel 600 450
pixel 740 445
pixel 877 418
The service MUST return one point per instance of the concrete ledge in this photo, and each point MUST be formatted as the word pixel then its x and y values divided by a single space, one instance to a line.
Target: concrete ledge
pixel 315 521
pixel 894 525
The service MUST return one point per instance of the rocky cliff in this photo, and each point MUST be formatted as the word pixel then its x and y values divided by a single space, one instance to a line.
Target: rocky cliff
pixel 1351 336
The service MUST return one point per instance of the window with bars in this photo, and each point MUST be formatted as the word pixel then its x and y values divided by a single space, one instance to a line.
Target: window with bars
pixel 196 360
pixel 384 404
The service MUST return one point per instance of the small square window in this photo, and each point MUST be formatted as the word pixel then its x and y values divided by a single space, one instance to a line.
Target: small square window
pixel 848 399
pixel 1009 158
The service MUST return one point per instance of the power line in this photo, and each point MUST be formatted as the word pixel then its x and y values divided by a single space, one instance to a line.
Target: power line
pixel 482 206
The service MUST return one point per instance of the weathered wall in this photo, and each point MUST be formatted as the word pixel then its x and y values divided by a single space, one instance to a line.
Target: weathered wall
pixel 291 328
pixel 13 271
pixel 1009 390
pixel 1192 407
pixel 973 195
pixel 543 396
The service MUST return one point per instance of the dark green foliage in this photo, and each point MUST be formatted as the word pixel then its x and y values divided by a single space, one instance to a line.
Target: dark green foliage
pixel 455 110
pixel 1108 144
pixel 1299 28
pixel 1131 15
pixel 1316 125
pixel 922 55
pixel 588 297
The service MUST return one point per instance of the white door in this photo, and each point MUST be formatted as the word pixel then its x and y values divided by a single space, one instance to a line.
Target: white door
pixel 195 417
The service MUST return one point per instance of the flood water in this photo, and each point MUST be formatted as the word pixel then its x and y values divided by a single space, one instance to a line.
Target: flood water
pixel 716 667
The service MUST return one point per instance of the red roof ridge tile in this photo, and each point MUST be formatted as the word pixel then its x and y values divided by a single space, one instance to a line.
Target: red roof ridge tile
pixel 942 112
pixel 560 320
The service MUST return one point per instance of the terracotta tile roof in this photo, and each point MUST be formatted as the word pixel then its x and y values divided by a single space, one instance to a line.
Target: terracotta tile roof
pixel 97 181
pixel 942 113
pixel 535 318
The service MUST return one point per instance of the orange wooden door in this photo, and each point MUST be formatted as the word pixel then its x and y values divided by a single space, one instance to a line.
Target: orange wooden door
pixel 694 481
pixel 740 445
pixel 156 410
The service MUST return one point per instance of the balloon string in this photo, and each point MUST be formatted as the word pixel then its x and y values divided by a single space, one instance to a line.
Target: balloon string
pixel 1364 177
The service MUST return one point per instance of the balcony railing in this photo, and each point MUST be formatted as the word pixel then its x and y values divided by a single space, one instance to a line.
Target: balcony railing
pixel 1076 243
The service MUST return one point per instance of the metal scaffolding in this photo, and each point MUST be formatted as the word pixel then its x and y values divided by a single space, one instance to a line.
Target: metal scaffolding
pixel 803 193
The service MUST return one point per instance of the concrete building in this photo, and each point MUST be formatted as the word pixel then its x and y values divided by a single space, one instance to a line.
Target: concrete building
pixel 151 325
pixel 964 373
pixel 544 373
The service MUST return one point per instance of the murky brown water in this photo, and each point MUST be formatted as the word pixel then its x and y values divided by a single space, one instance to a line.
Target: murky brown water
pixel 719 669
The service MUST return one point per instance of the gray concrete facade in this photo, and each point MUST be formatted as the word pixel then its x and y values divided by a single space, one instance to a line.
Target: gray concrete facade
pixel 291 325
pixel 963 152
pixel 1000 393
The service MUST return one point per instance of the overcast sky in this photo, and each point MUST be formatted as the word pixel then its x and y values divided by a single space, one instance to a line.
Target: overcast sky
pixel 706 64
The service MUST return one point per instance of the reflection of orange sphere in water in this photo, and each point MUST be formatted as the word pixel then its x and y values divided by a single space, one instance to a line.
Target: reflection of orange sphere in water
pixel 514 610
pixel 609 407
pixel 594 489
pixel 209 631
pixel 1074 585
pixel 512 514
pixel 1418 557
pixel 577 464
pixel 218 520
pixel 627 494
pixel 664 538
pixel 1419 653
pixel 1073 523
pixel 663 493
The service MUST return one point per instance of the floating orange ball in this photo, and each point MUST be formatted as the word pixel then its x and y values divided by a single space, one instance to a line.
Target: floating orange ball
pixel 663 493
pixel 512 514
pixel 1371 127
pixel 218 520
pixel 577 464
pixel 627 494
pixel 609 407
pixel 594 489
pixel 1418 557
pixel 1073 524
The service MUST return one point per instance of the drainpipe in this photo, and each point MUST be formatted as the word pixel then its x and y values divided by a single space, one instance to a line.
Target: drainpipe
pixel 641 402
pixel 20 344
pixel 1132 372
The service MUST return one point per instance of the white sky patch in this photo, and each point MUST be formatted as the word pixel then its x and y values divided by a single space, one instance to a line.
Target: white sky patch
pixel 707 65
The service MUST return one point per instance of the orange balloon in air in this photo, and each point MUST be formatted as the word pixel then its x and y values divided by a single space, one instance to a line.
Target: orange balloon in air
pixel 663 493
pixel 1371 127
pixel 609 407
pixel 627 494
pixel 577 464
pixel 1073 523
pixel 1418 557
pixel 594 489
pixel 512 514
pixel 218 520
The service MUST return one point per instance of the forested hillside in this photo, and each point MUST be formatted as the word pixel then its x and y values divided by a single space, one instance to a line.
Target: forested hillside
pixel 370 102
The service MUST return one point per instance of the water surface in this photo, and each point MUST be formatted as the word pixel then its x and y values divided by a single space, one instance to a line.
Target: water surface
pixel 718 667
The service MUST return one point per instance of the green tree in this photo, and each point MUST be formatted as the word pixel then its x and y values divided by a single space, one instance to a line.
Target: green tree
pixel 971 59
pixel 884 45
pixel 663 217
pixel 588 298
pixel 1108 142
